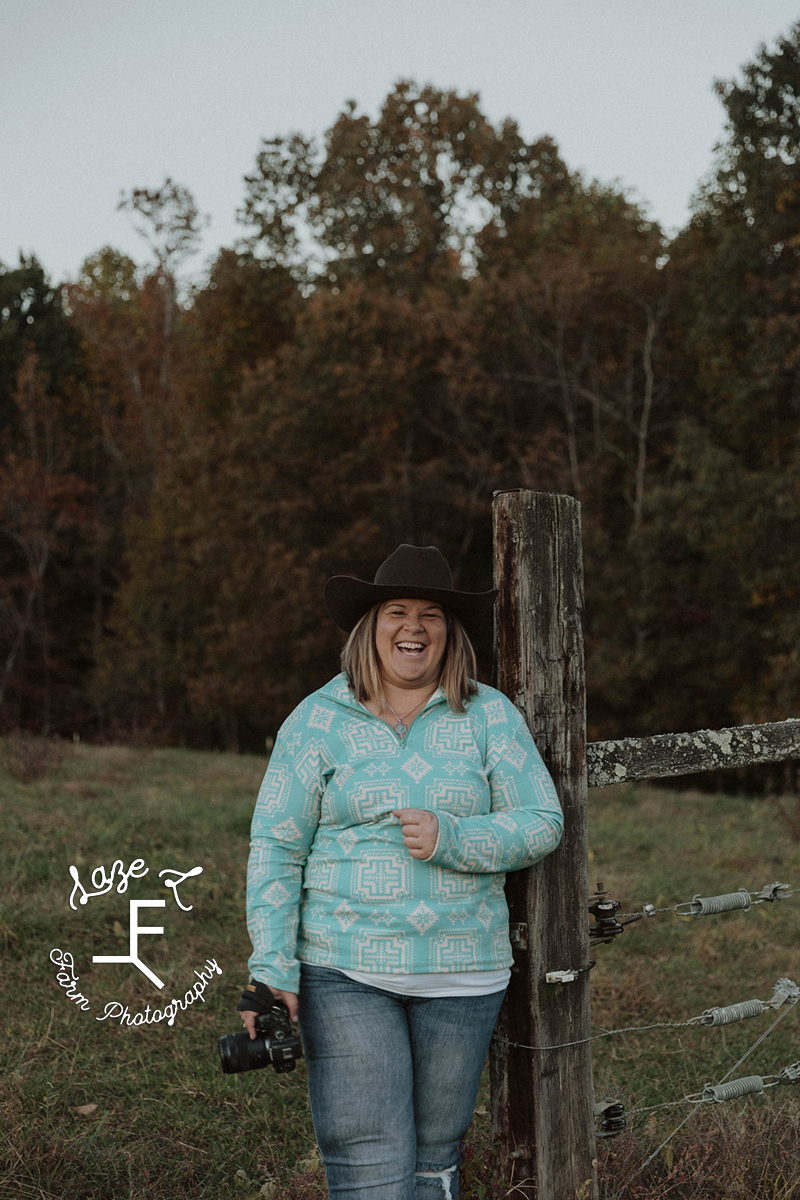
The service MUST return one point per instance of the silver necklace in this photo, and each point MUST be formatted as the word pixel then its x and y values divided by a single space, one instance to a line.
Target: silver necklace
pixel 400 729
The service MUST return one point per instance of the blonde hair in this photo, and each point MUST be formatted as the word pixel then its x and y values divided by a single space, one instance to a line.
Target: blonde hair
pixel 362 667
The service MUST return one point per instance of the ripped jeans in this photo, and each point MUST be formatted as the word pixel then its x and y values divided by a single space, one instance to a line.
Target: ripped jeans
pixel 392 1081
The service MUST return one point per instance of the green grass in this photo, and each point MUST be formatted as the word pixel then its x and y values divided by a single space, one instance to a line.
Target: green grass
pixel 168 1124
pixel 650 845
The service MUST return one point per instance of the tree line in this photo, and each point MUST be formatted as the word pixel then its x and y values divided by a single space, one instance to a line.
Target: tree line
pixel 423 308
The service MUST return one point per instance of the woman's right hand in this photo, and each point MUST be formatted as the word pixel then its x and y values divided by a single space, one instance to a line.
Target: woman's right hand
pixel 288 998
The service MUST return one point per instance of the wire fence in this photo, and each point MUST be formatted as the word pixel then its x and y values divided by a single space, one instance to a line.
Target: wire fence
pixel 784 999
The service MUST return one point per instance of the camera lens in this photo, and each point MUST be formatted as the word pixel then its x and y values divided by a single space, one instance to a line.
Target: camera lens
pixel 274 1044
pixel 240 1052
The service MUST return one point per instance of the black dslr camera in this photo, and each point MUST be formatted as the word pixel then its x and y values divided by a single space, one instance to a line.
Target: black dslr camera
pixel 275 1043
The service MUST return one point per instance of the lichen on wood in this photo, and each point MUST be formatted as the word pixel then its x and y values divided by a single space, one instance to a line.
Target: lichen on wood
pixel 667 754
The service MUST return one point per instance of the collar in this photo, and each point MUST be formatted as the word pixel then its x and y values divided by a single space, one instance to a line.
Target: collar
pixel 338 690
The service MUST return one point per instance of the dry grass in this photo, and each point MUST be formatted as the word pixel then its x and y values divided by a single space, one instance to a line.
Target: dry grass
pixel 90 1111
pixel 26 758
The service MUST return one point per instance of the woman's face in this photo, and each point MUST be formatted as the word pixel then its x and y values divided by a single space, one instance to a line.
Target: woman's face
pixel 410 637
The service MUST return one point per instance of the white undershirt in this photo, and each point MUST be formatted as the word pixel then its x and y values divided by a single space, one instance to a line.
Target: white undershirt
pixel 456 983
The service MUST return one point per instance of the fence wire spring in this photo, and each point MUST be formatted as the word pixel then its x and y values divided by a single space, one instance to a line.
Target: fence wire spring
pixel 746 1086
pixel 792 1074
pixel 734 1012
pixel 784 991
pixel 720 1092
pixel 704 906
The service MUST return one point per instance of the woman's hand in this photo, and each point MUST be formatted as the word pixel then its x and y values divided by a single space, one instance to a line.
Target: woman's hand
pixel 249 1017
pixel 420 830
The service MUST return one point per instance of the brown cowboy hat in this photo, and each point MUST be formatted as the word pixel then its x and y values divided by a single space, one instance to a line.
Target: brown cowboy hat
pixel 411 573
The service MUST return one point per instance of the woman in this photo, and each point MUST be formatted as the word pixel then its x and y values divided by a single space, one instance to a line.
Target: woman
pixel 396 798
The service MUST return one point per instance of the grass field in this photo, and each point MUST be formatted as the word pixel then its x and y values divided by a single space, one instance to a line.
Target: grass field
pixel 103 1110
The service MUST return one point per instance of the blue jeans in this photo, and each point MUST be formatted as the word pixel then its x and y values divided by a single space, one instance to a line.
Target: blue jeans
pixel 392 1081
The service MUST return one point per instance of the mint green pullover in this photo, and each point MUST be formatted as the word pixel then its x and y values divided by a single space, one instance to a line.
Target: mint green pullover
pixel 329 880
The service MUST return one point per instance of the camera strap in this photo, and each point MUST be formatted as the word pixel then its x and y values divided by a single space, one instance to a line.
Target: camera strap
pixel 256 997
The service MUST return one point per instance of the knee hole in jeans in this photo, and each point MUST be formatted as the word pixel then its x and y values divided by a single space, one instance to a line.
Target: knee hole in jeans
pixel 445 1177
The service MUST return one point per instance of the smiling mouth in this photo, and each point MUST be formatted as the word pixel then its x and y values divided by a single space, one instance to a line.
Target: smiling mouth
pixel 410 647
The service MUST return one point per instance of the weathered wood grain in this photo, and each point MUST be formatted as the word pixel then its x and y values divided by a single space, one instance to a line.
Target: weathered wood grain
pixel 668 754
pixel 542 1102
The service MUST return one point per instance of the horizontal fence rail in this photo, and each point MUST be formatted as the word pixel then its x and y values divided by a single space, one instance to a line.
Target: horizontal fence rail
pixel 686 753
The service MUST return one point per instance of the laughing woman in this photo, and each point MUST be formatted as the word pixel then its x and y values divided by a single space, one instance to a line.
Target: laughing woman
pixel 396 798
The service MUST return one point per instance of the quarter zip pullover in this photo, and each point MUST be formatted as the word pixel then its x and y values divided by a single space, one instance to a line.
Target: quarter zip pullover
pixel 329 879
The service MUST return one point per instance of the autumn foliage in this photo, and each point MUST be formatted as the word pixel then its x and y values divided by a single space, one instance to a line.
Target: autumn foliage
pixel 423 309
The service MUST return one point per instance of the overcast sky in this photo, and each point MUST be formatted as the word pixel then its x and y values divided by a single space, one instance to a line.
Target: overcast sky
pixel 101 96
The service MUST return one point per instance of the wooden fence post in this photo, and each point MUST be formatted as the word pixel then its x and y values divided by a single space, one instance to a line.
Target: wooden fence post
pixel 543 1101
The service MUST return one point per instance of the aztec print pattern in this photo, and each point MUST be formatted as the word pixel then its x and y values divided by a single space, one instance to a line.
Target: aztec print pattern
pixel 329 880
